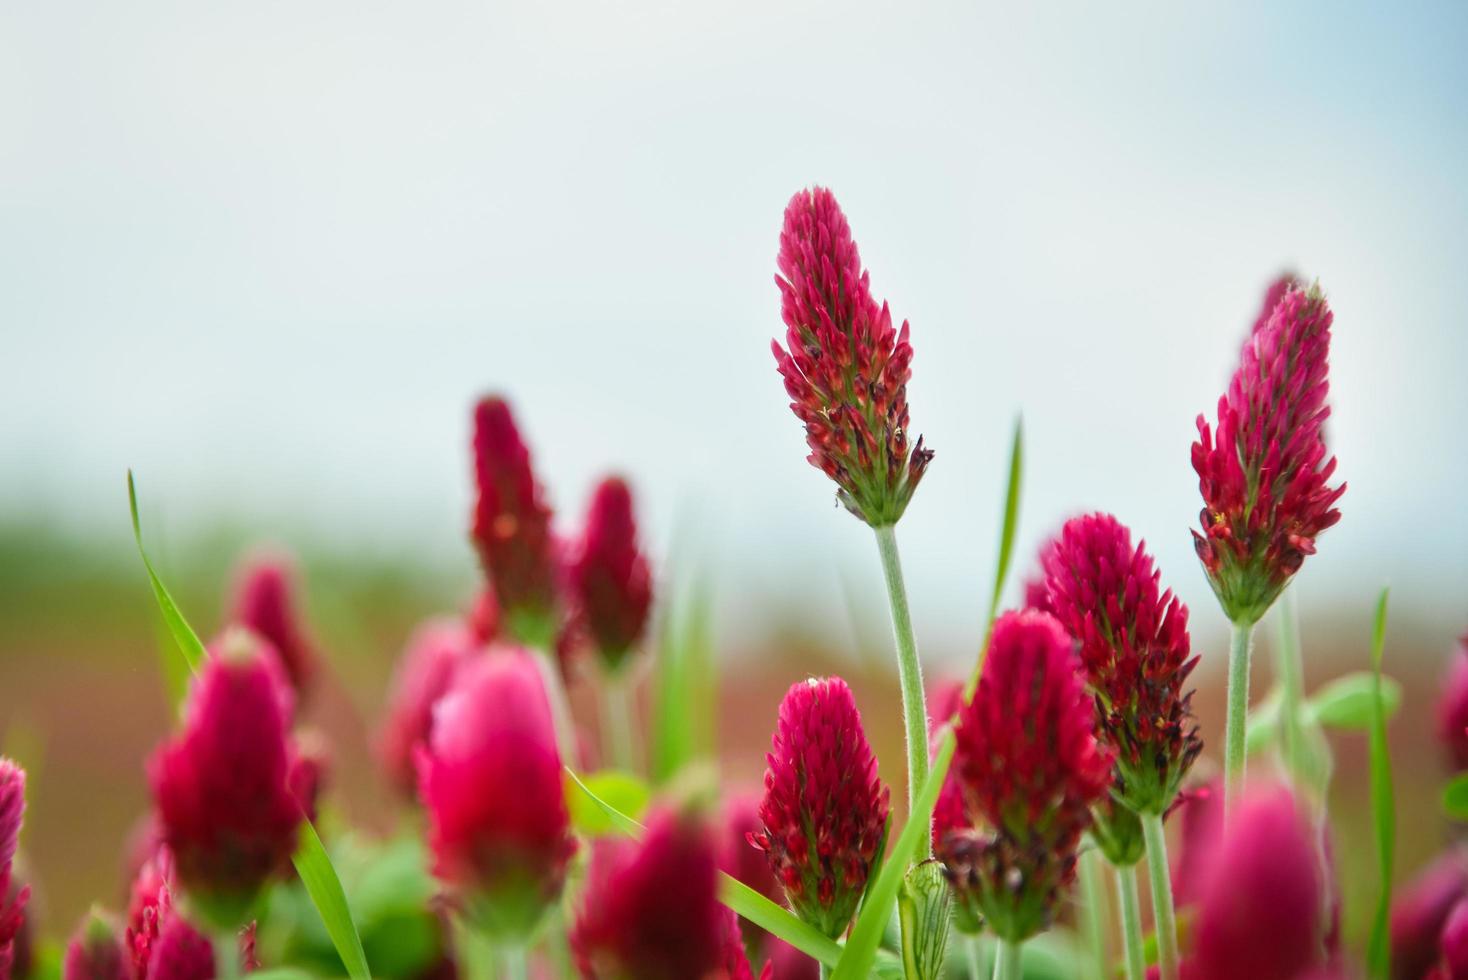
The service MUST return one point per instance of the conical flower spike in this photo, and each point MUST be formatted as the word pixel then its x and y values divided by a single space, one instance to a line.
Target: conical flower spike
pixel 1264 474
pixel 491 781
pixel 1134 647
pixel 845 367
pixel 824 814
pixel 609 574
pixel 222 784
pixel 12 900
pixel 1031 769
pixel 651 909
pixel 266 603
pixel 95 953
pixel 512 527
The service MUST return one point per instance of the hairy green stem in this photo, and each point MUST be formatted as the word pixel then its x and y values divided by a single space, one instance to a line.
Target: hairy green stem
pixel 1006 961
pixel 1164 918
pixel 1239 650
pixel 512 960
pixel 620 732
pixel 1131 922
pixel 909 671
pixel 1093 910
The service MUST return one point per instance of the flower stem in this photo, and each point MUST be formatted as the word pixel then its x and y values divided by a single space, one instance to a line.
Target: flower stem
pixel 1131 922
pixel 975 958
pixel 1006 961
pixel 512 958
pixel 1240 648
pixel 620 732
pixel 909 670
pixel 1164 919
pixel 1291 671
pixel 226 954
pixel 1093 910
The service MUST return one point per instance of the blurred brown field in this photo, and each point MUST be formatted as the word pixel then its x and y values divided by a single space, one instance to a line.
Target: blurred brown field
pixel 82 700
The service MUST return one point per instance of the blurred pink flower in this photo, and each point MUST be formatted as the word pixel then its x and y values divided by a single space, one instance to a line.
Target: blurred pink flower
pixel 1452 709
pixel 845 368
pixel 1264 476
pixel 435 653
pixel 1030 768
pixel 266 603
pixel 95 953
pixel 1421 909
pixel 13 897
pixel 609 574
pixel 221 785
pixel 490 778
pixel 824 813
pixel 181 953
pixel 650 910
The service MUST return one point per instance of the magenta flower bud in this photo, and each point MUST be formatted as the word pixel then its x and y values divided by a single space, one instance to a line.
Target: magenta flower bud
pixel 265 603
pixel 221 785
pixel 490 778
pixel 1262 881
pixel 1134 646
pixel 1264 474
pixel 310 761
pixel 651 909
pixel 1421 909
pixel 845 368
pixel 1452 709
pixel 1200 814
pixel 1453 944
pixel 512 526
pixel 735 962
pixel 1030 769
pixel 1272 295
pixel 434 655
pixel 609 575
pixel 13 896
pixel 824 813
pixel 484 618
pixel 96 953
pixel 181 953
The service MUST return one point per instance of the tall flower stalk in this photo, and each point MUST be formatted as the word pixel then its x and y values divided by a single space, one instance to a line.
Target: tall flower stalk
pixel 1136 657
pixel 1265 480
pixel 846 370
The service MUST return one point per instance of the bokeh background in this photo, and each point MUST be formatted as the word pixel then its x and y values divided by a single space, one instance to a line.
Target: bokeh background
pixel 267 254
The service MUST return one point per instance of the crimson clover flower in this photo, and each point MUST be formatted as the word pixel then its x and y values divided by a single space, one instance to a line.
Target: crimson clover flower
pixel 181 953
pixel 221 785
pixel 95 952
pixel 1030 769
pixel 512 526
pixel 1260 910
pixel 435 653
pixel 1421 909
pixel 609 574
pixel 1134 647
pixel 1263 473
pixel 265 602
pixel 1452 709
pixel 845 368
pixel 12 899
pixel 1453 946
pixel 824 813
pixel 651 909
pixel 490 778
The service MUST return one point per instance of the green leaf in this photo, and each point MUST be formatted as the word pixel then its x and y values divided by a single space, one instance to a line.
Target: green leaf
pixel 325 889
pixel 185 640
pixel 861 946
pixel 1262 728
pixel 683 710
pixel 1455 797
pixel 1349 701
pixel 597 802
pixel 1011 516
pixel 1383 813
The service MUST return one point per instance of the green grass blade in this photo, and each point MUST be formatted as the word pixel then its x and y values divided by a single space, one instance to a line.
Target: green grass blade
pixel 1383 813
pixel 683 712
pixel 866 936
pixel 1455 798
pixel 325 889
pixel 185 640
pixel 1011 517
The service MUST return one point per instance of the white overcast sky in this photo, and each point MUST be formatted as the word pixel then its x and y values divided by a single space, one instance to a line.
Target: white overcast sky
pixel 267 253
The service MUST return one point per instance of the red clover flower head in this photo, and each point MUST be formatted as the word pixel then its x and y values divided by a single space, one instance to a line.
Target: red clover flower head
pixel 435 653
pixel 1263 473
pixel 609 574
pixel 490 778
pixel 512 526
pixel 845 368
pixel 1275 292
pixel 1134 647
pixel 266 603
pixel 96 953
pixel 12 900
pixel 1453 945
pixel 1421 909
pixel 181 953
pixel 824 814
pixel 1030 769
pixel 1452 709
pixel 1262 881
pixel 222 784
pixel 651 909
